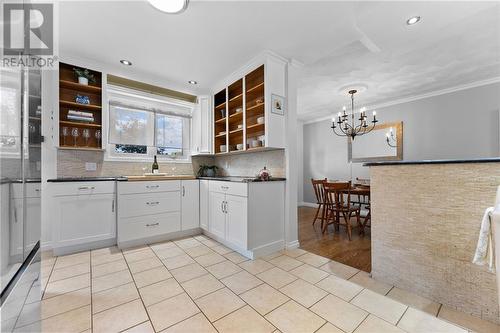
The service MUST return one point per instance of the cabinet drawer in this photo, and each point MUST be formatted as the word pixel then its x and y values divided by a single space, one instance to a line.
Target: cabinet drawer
pixel 148 226
pixel 81 188
pixel 149 186
pixel 233 188
pixel 149 203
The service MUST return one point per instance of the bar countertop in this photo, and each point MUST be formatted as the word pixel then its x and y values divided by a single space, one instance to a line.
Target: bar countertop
pixel 444 161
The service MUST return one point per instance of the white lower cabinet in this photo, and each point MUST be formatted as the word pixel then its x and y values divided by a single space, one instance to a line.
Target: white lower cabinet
pixel 190 201
pixel 236 220
pixel 217 222
pixel 151 211
pixel 247 217
pixel 204 203
pixel 28 225
pixel 84 215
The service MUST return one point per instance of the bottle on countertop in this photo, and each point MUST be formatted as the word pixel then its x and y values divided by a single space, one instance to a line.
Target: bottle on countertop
pixel 155 168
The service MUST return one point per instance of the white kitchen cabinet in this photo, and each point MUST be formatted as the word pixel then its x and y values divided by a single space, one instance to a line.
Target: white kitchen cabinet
pixel 190 201
pixel 153 211
pixel 31 227
pixel 217 221
pixel 204 204
pixel 201 127
pixel 84 215
pixel 247 217
pixel 236 220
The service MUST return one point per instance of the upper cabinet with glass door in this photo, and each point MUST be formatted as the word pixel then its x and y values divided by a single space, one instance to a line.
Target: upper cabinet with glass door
pixel 249 107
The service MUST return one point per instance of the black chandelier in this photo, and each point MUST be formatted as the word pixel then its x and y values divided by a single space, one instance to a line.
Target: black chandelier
pixel 349 128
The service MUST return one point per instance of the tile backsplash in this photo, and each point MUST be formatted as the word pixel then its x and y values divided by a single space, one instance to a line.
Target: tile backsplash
pixel 71 163
pixel 249 164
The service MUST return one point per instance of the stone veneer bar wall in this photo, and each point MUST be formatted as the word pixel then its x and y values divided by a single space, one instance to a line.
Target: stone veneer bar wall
pixel 425 224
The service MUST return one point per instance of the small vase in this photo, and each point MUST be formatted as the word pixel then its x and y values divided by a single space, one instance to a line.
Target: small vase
pixel 83 80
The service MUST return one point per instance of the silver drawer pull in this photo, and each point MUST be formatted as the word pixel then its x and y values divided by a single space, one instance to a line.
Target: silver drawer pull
pixel 37 190
pixel 152 186
pixel 152 203
pixel 225 187
pixel 152 224
pixel 86 188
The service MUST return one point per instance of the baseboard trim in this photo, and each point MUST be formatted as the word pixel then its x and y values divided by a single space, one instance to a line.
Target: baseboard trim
pixel 293 244
pixel 268 248
pixel 70 249
pixel 159 238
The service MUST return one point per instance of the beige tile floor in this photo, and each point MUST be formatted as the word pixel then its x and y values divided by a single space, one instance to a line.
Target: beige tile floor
pixel 198 285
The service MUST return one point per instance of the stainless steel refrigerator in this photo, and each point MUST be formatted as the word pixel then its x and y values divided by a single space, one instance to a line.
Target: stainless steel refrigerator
pixel 20 193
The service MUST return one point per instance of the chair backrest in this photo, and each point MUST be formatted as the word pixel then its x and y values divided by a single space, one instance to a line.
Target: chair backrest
pixel 319 190
pixel 338 194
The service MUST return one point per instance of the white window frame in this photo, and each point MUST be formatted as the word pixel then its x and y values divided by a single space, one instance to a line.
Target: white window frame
pixel 120 93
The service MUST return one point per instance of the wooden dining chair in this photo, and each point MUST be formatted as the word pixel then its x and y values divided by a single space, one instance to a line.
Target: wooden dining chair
pixel 319 191
pixel 338 204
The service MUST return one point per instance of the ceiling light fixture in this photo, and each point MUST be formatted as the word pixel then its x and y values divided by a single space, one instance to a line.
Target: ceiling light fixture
pixel 413 20
pixel 126 62
pixel 170 6
pixel 347 127
pixel 192 82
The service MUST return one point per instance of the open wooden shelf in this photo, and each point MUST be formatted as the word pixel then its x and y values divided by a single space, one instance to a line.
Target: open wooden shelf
pixel 256 87
pixel 61 147
pixel 79 87
pixel 80 106
pixel 221 121
pixel 69 88
pixel 76 123
pixel 243 93
pixel 256 107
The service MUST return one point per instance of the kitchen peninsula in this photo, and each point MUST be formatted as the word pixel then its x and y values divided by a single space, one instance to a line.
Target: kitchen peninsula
pixel 426 217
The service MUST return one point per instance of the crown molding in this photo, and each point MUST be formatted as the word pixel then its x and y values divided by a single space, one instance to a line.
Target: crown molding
pixel 416 97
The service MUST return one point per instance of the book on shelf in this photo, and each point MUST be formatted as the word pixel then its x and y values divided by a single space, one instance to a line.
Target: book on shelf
pixel 80 118
pixel 81 113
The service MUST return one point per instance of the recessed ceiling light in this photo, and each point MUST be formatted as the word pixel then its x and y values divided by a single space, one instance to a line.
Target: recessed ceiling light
pixel 126 62
pixel 170 6
pixel 192 82
pixel 413 20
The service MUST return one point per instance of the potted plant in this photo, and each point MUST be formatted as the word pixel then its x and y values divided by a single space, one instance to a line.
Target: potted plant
pixel 207 171
pixel 84 76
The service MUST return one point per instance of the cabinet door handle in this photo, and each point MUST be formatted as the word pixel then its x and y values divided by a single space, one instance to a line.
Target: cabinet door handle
pixel 86 188
pixel 183 191
pixel 37 190
pixel 15 215
pixel 225 206
pixel 152 224
pixel 152 186
pixel 113 206
pixel 152 203
pixel 224 187
pixel 222 207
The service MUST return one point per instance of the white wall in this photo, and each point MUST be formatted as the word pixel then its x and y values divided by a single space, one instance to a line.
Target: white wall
pixel 462 124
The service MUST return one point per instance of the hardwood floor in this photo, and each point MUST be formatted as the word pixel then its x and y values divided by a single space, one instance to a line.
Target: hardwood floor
pixel 334 244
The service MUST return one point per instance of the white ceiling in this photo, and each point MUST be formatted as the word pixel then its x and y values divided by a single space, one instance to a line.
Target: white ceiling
pixel 341 44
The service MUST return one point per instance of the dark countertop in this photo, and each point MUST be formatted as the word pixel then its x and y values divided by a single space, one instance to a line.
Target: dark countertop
pixel 458 161
pixel 243 179
pixel 122 178
pixel 19 181
pixel 84 179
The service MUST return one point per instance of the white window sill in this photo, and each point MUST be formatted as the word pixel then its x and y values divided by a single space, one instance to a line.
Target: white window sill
pixel 130 159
